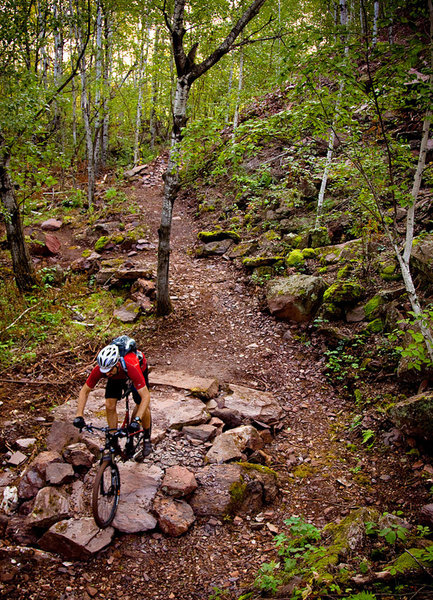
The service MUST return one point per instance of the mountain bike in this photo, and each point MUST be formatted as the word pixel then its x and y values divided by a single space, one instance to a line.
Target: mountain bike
pixel 119 445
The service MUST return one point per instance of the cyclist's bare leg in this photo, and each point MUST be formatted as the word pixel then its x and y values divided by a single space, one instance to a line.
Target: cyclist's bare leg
pixel 111 411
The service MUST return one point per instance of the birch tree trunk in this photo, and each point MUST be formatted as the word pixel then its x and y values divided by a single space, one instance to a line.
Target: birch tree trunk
pixel 238 98
pixel 331 141
pixel 21 262
pixel 108 67
pixel 144 50
pixel 375 22
pixel 154 95
pixel 99 90
pixel 187 72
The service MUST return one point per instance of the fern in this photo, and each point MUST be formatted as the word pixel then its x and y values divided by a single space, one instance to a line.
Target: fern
pixel 361 596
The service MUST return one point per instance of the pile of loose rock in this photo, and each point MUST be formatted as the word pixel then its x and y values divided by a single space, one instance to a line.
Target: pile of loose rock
pixel 199 431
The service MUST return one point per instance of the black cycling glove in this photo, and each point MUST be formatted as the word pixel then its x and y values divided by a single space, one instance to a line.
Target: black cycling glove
pixel 134 426
pixel 79 422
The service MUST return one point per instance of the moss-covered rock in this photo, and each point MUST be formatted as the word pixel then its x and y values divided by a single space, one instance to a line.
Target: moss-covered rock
pixel 414 416
pixel 295 298
pixel 373 306
pixel 262 261
pixel 389 271
pixel 295 258
pixel 218 235
pixel 343 293
pixel 309 253
pixel 375 326
pixel 320 237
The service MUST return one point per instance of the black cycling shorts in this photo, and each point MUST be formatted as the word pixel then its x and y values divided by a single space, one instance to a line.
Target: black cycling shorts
pixel 116 387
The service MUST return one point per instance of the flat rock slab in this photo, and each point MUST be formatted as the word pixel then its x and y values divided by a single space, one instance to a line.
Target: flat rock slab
pixel 204 387
pixel 176 411
pixel 253 404
pixel 76 539
pixel 138 488
pixel 51 505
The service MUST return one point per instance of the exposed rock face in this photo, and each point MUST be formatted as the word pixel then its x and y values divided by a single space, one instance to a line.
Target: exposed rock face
pixel 414 416
pixel 232 444
pixel 140 484
pixel 175 517
pixel 231 489
pixel 51 505
pixel 178 482
pixel 34 477
pixel 295 298
pixel 253 404
pixel 76 539
pixel 203 387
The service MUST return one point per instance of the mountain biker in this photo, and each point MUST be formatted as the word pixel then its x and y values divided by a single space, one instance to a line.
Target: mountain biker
pixel 117 371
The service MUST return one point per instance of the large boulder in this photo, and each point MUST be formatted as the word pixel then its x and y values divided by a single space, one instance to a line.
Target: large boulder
pixel 232 444
pixel 253 404
pixel 139 485
pixel 225 490
pixel 178 482
pixel 76 539
pixel 422 257
pixel 414 416
pixel 295 298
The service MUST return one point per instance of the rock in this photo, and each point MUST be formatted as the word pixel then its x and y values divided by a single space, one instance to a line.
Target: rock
pixel 51 225
pixel 52 244
pixel 33 478
pixel 214 248
pixel 61 434
pixel 21 531
pixel 144 286
pixel 295 298
pixel 59 473
pixel 175 517
pixel 135 171
pixel 88 264
pixel 230 417
pixel 143 302
pixel 422 257
pixel 175 414
pixel 25 443
pixel 253 404
pixel 79 456
pixel 51 505
pixel 129 312
pixel 9 501
pixel 17 459
pixel 203 433
pixel 232 444
pixel 426 515
pixel 225 490
pixel 139 485
pixel 118 271
pixel 76 539
pixel 414 416
pixel 178 482
pixel 203 387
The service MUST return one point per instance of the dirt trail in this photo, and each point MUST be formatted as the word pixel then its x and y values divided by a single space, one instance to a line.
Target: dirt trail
pixel 218 329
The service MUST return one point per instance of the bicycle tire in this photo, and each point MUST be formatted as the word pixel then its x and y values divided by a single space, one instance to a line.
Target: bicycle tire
pixel 106 491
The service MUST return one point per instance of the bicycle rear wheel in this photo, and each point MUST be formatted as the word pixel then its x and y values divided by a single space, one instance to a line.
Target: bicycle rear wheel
pixel 106 490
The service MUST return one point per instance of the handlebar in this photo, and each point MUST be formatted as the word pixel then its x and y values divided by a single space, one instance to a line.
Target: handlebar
pixel 117 432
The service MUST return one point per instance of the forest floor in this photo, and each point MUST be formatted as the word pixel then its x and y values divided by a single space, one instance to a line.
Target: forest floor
pixel 218 329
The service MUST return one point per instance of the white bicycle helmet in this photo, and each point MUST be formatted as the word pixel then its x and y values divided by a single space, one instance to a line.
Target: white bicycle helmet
pixel 108 358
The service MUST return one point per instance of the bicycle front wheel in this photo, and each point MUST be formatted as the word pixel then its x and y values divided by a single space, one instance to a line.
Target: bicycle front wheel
pixel 106 490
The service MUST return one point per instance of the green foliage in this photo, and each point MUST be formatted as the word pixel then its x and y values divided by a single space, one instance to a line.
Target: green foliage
pixel 415 351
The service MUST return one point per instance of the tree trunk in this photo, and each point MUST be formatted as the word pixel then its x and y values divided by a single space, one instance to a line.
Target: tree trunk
pixel 171 187
pixel 108 66
pixel 21 262
pixel 238 98
pixel 144 50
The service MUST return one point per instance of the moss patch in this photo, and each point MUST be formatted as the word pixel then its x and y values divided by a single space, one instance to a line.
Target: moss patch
pixel 218 235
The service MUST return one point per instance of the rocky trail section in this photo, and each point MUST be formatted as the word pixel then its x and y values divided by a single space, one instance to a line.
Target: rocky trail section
pixel 217 332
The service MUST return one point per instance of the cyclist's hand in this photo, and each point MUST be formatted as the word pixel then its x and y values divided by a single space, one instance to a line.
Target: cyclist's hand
pixel 79 422
pixel 134 426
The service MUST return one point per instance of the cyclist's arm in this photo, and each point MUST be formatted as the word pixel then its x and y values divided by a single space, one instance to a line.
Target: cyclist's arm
pixel 82 399
pixel 145 402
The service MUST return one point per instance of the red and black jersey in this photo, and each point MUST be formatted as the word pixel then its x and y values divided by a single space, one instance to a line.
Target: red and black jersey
pixel 134 371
